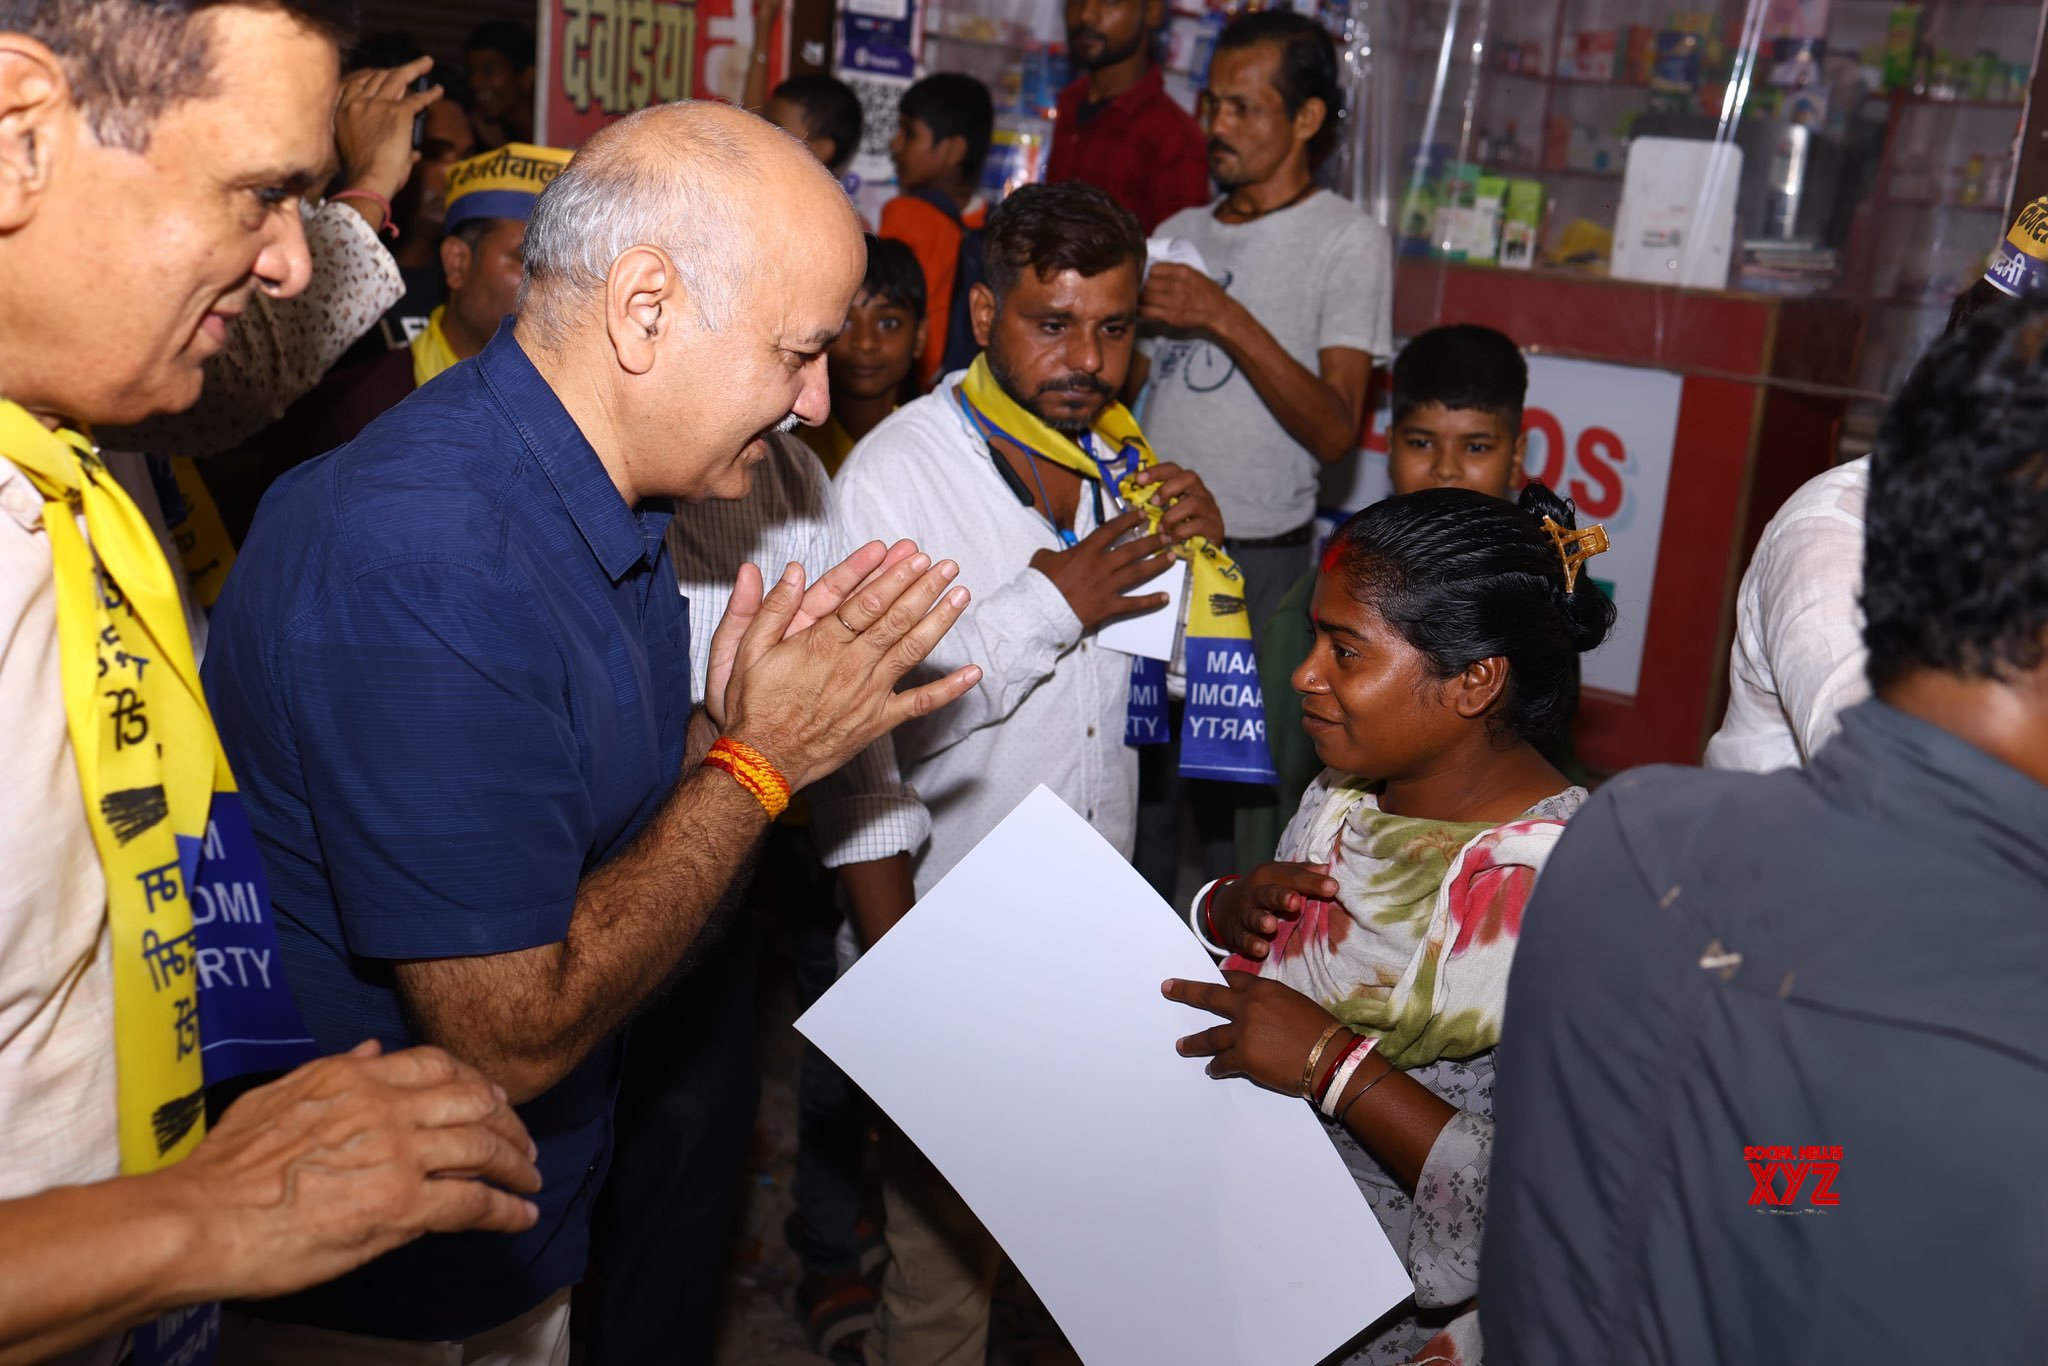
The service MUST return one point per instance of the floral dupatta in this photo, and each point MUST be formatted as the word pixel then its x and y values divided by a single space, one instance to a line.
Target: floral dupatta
pixel 1416 948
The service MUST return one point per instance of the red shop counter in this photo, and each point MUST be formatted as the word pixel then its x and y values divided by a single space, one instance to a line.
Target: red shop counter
pixel 1679 418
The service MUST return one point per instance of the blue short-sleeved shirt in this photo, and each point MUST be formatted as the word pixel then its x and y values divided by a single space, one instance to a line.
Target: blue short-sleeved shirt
pixel 451 671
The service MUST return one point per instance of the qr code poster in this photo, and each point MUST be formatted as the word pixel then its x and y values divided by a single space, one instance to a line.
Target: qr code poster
pixel 871 179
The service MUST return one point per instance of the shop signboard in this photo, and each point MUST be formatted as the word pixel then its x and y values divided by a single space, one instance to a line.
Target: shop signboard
pixel 1600 435
pixel 600 59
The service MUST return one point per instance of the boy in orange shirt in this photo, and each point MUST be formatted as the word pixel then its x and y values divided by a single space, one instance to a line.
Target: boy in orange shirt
pixel 944 125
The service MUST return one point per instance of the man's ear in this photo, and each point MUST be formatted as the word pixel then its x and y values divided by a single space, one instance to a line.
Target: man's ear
pixel 456 259
pixel 952 153
pixel 1478 686
pixel 1308 120
pixel 924 331
pixel 826 150
pixel 643 303
pixel 981 307
pixel 1518 472
pixel 36 115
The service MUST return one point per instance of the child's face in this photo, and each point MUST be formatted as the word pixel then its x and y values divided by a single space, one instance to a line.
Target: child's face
pixel 873 356
pixel 920 161
pixel 1439 447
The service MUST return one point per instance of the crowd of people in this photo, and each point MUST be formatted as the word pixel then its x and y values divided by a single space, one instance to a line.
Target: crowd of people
pixel 463 594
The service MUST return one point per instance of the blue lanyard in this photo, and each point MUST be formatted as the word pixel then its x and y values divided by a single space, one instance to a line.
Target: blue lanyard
pixel 1105 475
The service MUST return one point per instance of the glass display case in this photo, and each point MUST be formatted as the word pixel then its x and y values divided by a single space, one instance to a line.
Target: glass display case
pixel 1722 232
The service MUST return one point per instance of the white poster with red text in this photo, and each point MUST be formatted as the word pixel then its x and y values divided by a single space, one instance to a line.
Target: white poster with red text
pixel 600 59
pixel 1600 435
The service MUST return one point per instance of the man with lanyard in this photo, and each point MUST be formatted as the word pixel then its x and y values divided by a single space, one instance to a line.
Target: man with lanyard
pixel 1118 129
pixel 1028 464
pixel 137 963
pixel 490 197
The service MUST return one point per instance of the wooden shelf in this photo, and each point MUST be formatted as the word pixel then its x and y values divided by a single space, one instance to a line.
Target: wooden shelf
pixel 1945 205
pixel 1921 101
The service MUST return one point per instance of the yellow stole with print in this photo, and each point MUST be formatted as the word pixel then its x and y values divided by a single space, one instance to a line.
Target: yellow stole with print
pixel 149 764
pixel 1223 729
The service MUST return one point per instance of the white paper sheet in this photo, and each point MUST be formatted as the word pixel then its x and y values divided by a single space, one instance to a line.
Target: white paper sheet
pixel 1150 633
pixel 1012 1025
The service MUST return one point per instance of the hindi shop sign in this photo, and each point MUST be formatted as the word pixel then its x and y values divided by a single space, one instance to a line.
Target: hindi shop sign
pixel 1600 435
pixel 600 59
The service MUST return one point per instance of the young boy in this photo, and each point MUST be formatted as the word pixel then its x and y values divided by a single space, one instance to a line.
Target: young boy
pixel 944 125
pixel 1458 394
pixel 823 114
pixel 1457 423
pixel 872 358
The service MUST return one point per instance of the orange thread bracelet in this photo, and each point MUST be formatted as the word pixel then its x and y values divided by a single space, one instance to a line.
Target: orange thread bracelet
pixel 751 770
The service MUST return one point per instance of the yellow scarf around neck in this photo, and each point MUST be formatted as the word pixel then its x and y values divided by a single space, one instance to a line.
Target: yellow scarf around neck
pixel 431 353
pixel 148 763
pixel 1217 580
pixel 1223 726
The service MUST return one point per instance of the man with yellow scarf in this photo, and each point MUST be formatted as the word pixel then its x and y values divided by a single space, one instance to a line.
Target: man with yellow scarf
pixel 1028 465
pixel 489 199
pixel 121 125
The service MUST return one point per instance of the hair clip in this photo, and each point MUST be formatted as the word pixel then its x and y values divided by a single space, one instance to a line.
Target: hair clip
pixel 1574 548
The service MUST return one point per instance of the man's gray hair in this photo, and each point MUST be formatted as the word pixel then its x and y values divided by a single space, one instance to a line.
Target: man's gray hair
pixel 130 60
pixel 676 176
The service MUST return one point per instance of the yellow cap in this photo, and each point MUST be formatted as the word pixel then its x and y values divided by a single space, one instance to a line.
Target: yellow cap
pixel 501 184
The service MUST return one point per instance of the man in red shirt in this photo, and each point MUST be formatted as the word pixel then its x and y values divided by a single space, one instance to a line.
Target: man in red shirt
pixel 1118 129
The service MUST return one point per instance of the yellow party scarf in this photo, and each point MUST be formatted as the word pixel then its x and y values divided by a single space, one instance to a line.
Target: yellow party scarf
pixel 1223 732
pixel 149 764
pixel 431 353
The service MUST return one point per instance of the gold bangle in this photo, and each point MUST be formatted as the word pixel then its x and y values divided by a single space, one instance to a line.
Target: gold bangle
pixel 1315 1055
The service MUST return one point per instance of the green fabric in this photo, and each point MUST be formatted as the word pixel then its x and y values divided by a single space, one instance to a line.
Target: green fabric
pixel 1287 639
pixel 1282 646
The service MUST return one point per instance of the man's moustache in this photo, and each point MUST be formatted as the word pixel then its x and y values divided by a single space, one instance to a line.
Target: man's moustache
pixel 1219 145
pixel 1078 384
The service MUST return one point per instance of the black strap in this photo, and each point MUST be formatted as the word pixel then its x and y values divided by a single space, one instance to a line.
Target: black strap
pixel 943 202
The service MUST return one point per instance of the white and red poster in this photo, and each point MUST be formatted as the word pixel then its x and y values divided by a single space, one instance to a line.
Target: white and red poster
pixel 1600 435
pixel 603 58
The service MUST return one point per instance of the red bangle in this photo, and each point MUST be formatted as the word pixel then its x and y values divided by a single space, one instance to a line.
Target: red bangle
pixel 1208 919
pixel 1323 1085
pixel 390 223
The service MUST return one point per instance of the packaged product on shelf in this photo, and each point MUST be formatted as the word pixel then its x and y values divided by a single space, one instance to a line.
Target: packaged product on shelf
pixel 1985 72
pixel 1640 57
pixel 1677 69
pixel 1521 223
pixel 1594 56
pixel 1482 227
pixel 1456 206
pixel 1901 43
pixel 1418 218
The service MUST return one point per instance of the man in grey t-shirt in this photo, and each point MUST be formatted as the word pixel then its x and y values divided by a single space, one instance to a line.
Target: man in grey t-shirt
pixel 1258 369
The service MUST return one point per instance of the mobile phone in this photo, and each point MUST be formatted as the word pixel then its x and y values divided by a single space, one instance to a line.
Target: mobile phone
pixel 419 120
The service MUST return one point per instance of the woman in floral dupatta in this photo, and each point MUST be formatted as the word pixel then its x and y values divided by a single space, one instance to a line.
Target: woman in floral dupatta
pixel 1373 956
